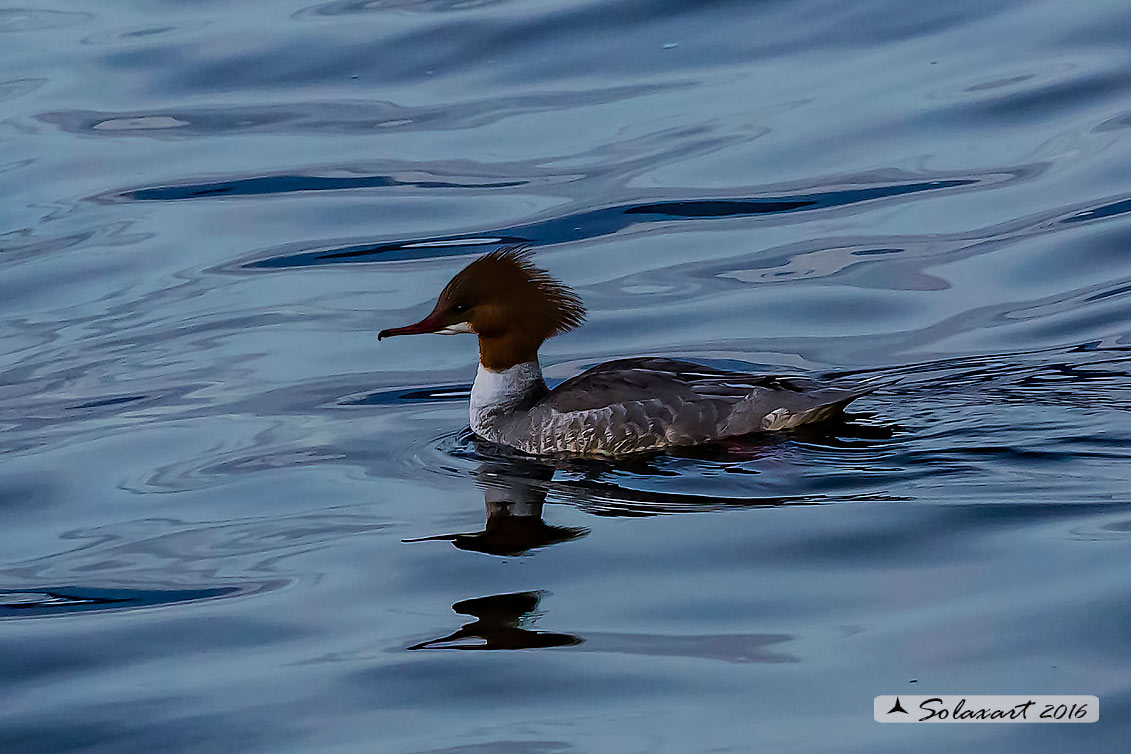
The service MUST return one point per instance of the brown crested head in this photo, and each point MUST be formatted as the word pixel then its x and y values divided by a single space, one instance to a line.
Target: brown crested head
pixel 506 300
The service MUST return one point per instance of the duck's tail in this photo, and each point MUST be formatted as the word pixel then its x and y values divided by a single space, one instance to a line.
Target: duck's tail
pixel 832 401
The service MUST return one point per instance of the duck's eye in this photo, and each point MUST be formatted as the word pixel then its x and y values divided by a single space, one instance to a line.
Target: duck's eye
pixel 459 308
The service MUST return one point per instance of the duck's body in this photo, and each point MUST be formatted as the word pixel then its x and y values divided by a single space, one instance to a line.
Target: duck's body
pixel 615 408
pixel 635 405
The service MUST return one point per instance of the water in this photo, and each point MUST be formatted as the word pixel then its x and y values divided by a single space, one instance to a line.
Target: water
pixel 231 521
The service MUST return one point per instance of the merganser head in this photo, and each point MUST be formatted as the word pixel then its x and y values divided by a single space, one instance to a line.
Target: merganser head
pixel 508 302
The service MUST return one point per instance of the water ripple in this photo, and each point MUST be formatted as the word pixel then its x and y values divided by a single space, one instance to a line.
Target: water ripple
pixel 333 117
pixel 10 90
pixel 858 461
pixel 272 185
pixel 17 20
pixel 360 7
pixel 594 223
pixel 176 561
pixel 118 37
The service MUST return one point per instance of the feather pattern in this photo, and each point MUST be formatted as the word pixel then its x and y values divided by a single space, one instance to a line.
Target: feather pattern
pixel 634 405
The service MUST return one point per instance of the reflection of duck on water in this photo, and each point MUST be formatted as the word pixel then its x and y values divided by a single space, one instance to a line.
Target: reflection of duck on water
pixel 503 621
pixel 498 624
pixel 513 494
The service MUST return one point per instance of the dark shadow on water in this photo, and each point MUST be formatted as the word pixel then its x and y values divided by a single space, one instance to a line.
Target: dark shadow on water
pixel 501 622
pixel 272 185
pixel 598 222
pixel 27 603
pixel 105 402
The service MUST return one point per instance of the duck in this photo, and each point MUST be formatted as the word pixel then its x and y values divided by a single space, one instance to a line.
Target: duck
pixel 617 408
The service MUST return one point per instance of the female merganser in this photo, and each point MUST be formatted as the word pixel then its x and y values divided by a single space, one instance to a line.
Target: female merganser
pixel 616 408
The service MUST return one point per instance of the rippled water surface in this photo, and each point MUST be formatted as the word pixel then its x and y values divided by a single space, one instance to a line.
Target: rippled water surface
pixel 231 521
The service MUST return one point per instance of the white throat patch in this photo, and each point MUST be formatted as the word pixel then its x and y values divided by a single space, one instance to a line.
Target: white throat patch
pixel 497 391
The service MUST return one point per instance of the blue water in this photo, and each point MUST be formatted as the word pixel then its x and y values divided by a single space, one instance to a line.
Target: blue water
pixel 230 520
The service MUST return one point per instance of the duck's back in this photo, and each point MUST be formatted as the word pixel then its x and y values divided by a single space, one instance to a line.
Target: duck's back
pixel 633 405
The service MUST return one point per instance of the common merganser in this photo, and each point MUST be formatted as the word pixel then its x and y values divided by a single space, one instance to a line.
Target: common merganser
pixel 616 408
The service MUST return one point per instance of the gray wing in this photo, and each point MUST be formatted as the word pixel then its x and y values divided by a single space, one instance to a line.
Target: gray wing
pixel 640 404
pixel 669 380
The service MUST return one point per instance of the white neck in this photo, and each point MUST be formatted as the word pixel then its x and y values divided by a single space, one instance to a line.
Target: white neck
pixel 499 392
